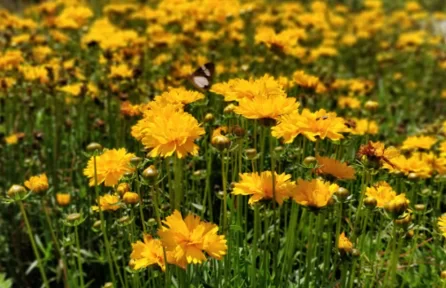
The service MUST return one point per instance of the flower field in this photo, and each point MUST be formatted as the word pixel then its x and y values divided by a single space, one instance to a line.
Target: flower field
pixel 235 143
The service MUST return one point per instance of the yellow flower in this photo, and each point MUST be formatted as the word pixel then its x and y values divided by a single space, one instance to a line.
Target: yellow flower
pixel 110 167
pixel 304 80
pixel 260 186
pixel 344 243
pixel 187 240
pixel 130 110
pixel 315 193
pixel 107 203
pixel 349 102
pixel 238 89
pixel 418 142
pixel 382 192
pixel 167 131
pixel 31 73
pixel 12 139
pixel 320 124
pixel 179 96
pixel 63 199
pixel 364 126
pixel 334 168
pixel 147 253
pixel 419 163
pixel 441 222
pixel 266 107
pixel 37 183
pixel 72 89
pixel 443 148
pixel 73 17
pixel 120 71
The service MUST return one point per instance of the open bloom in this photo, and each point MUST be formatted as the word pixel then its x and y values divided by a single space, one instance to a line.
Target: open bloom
pixel 107 203
pixel 37 183
pixel 266 107
pixel 169 131
pixel 238 89
pixel 110 167
pixel 418 142
pixel 315 193
pixel 421 164
pixel 180 96
pixel 320 124
pixel 187 240
pixel 147 253
pixel 260 186
pixel 334 168
pixel 382 192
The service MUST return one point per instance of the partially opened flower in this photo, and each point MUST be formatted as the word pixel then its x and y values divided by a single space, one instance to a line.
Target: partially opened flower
pixel 335 168
pixel 110 167
pixel 107 203
pixel 187 240
pixel 37 183
pixel 260 186
pixel 315 193
pixel 344 244
pixel 149 252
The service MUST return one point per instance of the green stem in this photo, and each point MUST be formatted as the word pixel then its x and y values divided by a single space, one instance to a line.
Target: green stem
pixel 33 244
pixel 104 232
pixel 79 257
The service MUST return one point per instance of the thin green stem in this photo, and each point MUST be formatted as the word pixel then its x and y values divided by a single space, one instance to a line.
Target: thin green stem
pixel 33 244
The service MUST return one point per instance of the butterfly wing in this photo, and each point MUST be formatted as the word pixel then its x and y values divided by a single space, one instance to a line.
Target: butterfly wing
pixel 202 77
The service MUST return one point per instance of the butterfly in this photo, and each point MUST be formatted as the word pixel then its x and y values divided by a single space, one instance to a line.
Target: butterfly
pixel 202 77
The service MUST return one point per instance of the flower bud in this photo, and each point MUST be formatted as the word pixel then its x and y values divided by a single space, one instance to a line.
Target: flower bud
pixel 278 149
pixel 209 117
pixel 63 199
pixel 97 224
pixel 108 285
pixel 150 172
pixel 370 202
pixel 229 109
pixel 355 252
pixel 73 217
pixel 251 153
pixel 420 207
pixel 130 198
pixel 122 188
pixel 94 146
pixel 371 105
pixel 124 219
pixel 136 160
pixel 221 142
pixel 409 234
pixel 412 176
pixel 342 193
pixel 404 220
pixel 16 190
pixel 309 160
pixel 443 274
pixel 239 131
